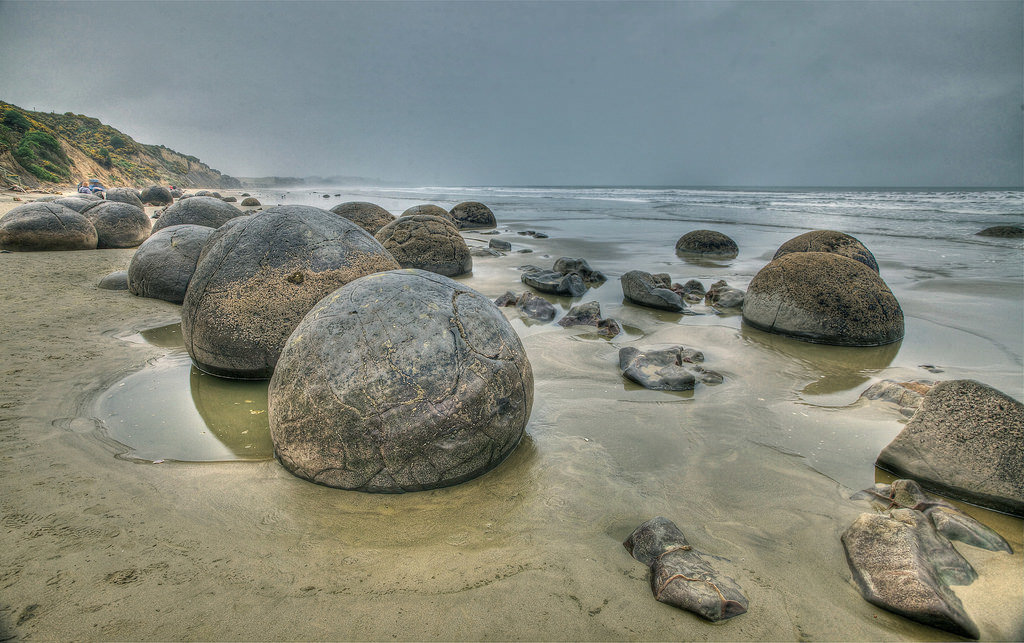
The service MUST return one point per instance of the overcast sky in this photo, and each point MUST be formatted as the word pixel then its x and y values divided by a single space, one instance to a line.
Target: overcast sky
pixel 673 93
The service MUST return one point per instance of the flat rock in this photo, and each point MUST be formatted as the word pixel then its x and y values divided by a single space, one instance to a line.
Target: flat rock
pixel 906 396
pixel 644 289
pixel 554 283
pixel 673 369
pixel 831 241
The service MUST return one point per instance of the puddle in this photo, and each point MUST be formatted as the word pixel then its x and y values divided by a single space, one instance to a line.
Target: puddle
pixel 172 411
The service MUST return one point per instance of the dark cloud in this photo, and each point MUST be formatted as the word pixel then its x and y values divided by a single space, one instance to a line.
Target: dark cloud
pixel 839 93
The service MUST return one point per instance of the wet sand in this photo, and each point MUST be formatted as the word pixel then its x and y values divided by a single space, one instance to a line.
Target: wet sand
pixel 101 547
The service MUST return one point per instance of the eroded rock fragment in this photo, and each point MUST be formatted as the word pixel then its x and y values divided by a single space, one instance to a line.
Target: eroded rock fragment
pixel 672 369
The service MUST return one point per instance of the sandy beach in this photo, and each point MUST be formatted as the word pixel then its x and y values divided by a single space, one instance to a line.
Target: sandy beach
pixel 101 547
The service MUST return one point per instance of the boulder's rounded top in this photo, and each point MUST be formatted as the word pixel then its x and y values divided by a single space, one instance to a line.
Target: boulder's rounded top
pixel 707 243
pixel 369 216
pixel 198 210
pixel 428 209
pixel 470 215
pixel 831 241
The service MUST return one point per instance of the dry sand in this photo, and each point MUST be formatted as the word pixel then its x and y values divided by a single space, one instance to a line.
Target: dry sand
pixel 96 547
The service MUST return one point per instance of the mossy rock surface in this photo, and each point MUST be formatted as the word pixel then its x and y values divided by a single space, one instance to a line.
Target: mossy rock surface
pixel 198 210
pixel 368 216
pixel 400 381
pixel 832 241
pixel 163 265
pixel 429 210
pixel 824 298
pixel 428 243
pixel 473 215
pixel 46 226
pixel 119 225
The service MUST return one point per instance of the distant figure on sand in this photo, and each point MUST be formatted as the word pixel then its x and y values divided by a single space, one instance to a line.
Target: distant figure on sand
pixel 84 188
pixel 96 187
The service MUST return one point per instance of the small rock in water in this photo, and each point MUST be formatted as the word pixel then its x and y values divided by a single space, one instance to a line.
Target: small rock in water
pixel 554 283
pixel 722 295
pixel 931 368
pixel 508 299
pixel 644 289
pixel 589 314
pixel 498 244
pixel 567 265
pixel 692 291
pixel 672 369
pixel 535 307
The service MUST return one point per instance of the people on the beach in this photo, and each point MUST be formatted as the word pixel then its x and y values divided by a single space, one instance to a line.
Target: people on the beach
pixel 83 187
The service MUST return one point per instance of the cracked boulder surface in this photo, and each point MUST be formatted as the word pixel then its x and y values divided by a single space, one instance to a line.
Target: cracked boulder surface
pixel 163 265
pixel 41 226
pixel 400 381
pixel 259 275
pixel 673 369
pixel 679 574
pixel 654 291
pixel 427 243
pixel 124 195
pixel 429 209
pixel 78 204
pixel 119 225
pixel 901 564
pixel 707 243
pixel 966 441
pixel 198 210
pixel 831 241
pixel 823 298
pixel 368 216
pixel 473 215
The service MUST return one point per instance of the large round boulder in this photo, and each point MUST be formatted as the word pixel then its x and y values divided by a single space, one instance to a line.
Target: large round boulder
pixel 965 441
pixel 400 381
pixel 707 243
pixel 78 204
pixel 368 216
pixel 198 210
pixel 250 202
pixel 163 265
pixel 256 280
pixel 156 195
pixel 428 243
pixel 45 226
pixel 118 224
pixel 429 210
pixel 824 298
pixel 471 215
pixel 838 243
pixel 124 195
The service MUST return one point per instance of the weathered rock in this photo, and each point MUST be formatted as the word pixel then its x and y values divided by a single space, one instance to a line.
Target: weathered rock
pixel 644 289
pixel 707 243
pixel 679 574
pixel 498 244
pixel 966 441
pixel 906 396
pixel 568 265
pixel 692 291
pixel 587 314
pixel 477 251
pixel 427 243
pixel 206 193
pixel 824 298
pixel 156 195
pixel 251 201
pixel 117 280
pixel 119 224
pixel 535 307
pixel 199 210
pixel 45 226
pixel 893 560
pixel 176 193
pixel 77 204
pixel 400 381
pixel 508 299
pixel 429 210
pixel 532 233
pixel 368 216
pixel 608 327
pixel 552 282
pixel 472 215
pixel 228 199
pixel 255 281
pixel 1004 231
pixel 722 295
pixel 163 265
pixel 672 369
pixel 829 241
pixel 124 195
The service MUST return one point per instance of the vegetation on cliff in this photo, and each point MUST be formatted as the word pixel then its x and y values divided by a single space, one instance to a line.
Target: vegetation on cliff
pixel 40 148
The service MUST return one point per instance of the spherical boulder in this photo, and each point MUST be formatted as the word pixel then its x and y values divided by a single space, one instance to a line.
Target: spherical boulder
pixel 46 226
pixel 163 265
pixel 117 280
pixel 426 242
pixel 707 243
pixel 198 210
pixel 400 381
pixel 77 204
pixel 124 195
pixel 838 243
pixel 823 298
pixel 256 280
pixel 228 199
pixel 118 224
pixel 156 195
pixel 429 210
pixel 250 201
pixel 368 216
pixel 471 215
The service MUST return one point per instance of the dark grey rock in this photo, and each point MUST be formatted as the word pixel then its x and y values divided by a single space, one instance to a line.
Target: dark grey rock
pixel 483 252
pixel 77 204
pixel 427 243
pixel 1003 231
pixel 114 281
pixel 644 289
pixel 45 226
pixel 838 243
pixel 176 193
pixel 163 265
pixel 672 369
pixel 554 283
pixel 587 314
pixel 156 195
pixel 508 299
pixel 124 195
pixel 257 278
pixel 707 243
pixel 368 216
pixel 824 298
pixel 229 199
pixel 692 291
pixel 535 307
pixel 679 574
pixel 568 265
pixel 119 224
pixel 966 441
pixel 473 215
pixel 199 210
pixel 498 244
pixel 722 295
pixel 251 201
pixel 400 381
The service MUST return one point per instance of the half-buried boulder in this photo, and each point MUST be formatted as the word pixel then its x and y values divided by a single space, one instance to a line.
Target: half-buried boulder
pixel 156 195
pixel 399 381
pixel 368 216
pixel 198 210
pixel 823 298
pixel 838 243
pixel 256 280
pixel 473 215
pixel 46 226
pixel 250 202
pixel 644 289
pixel 427 243
pixel 117 280
pixel 118 224
pixel 124 195
pixel 966 441
pixel 163 265
pixel 429 210
pixel 1003 231
pixel 707 243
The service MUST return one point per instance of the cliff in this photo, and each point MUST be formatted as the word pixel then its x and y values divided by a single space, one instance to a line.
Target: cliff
pixel 39 149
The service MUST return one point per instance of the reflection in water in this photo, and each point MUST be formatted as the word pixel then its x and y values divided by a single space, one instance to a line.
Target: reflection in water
pixel 235 411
